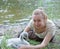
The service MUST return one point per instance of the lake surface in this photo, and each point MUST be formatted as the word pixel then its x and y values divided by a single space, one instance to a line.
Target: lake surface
pixel 15 10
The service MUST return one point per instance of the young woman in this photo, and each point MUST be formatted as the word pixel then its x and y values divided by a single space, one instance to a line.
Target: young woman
pixel 40 28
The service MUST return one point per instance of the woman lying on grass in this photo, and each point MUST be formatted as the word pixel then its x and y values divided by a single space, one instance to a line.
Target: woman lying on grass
pixel 40 28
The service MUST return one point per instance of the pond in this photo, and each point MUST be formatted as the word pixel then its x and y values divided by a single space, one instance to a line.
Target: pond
pixel 15 10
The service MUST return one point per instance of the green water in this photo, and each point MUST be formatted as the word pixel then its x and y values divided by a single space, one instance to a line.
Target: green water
pixel 12 10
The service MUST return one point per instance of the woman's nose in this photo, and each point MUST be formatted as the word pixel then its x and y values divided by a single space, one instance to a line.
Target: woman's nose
pixel 36 23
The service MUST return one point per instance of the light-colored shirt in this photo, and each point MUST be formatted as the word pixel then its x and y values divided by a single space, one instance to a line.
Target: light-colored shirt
pixel 51 28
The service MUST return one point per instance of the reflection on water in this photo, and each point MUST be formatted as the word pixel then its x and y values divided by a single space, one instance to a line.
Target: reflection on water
pixel 3 11
pixel 13 10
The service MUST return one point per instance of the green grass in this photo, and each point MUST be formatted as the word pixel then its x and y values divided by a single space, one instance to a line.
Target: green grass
pixel 4 45
pixel 33 42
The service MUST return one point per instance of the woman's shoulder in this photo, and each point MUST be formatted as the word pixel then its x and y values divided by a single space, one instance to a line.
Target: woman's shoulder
pixel 50 23
pixel 30 24
pixel 51 27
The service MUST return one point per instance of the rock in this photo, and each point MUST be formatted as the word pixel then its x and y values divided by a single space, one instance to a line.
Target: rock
pixel 57 23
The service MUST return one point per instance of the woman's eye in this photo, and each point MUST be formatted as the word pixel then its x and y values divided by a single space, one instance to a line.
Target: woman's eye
pixel 39 20
pixel 34 20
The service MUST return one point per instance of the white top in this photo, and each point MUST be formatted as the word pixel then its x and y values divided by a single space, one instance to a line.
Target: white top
pixel 51 28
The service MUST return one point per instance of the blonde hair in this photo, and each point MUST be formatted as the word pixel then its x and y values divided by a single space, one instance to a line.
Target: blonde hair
pixel 40 11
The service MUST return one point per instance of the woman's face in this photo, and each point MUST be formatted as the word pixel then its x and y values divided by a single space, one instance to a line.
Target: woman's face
pixel 38 21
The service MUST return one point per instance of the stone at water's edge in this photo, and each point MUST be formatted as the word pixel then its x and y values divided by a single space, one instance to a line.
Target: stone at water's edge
pixel 13 29
pixel 57 22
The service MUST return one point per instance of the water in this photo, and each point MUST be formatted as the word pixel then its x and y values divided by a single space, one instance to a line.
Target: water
pixel 12 10
pixel 15 10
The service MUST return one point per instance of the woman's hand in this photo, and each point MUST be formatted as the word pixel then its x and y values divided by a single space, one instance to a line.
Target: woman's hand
pixel 26 47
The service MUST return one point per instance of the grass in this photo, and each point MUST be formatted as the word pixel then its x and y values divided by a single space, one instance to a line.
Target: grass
pixel 55 45
pixel 4 45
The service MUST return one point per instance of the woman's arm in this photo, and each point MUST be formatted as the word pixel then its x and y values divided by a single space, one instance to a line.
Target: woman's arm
pixel 45 41
pixel 43 44
pixel 51 32
pixel 27 29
